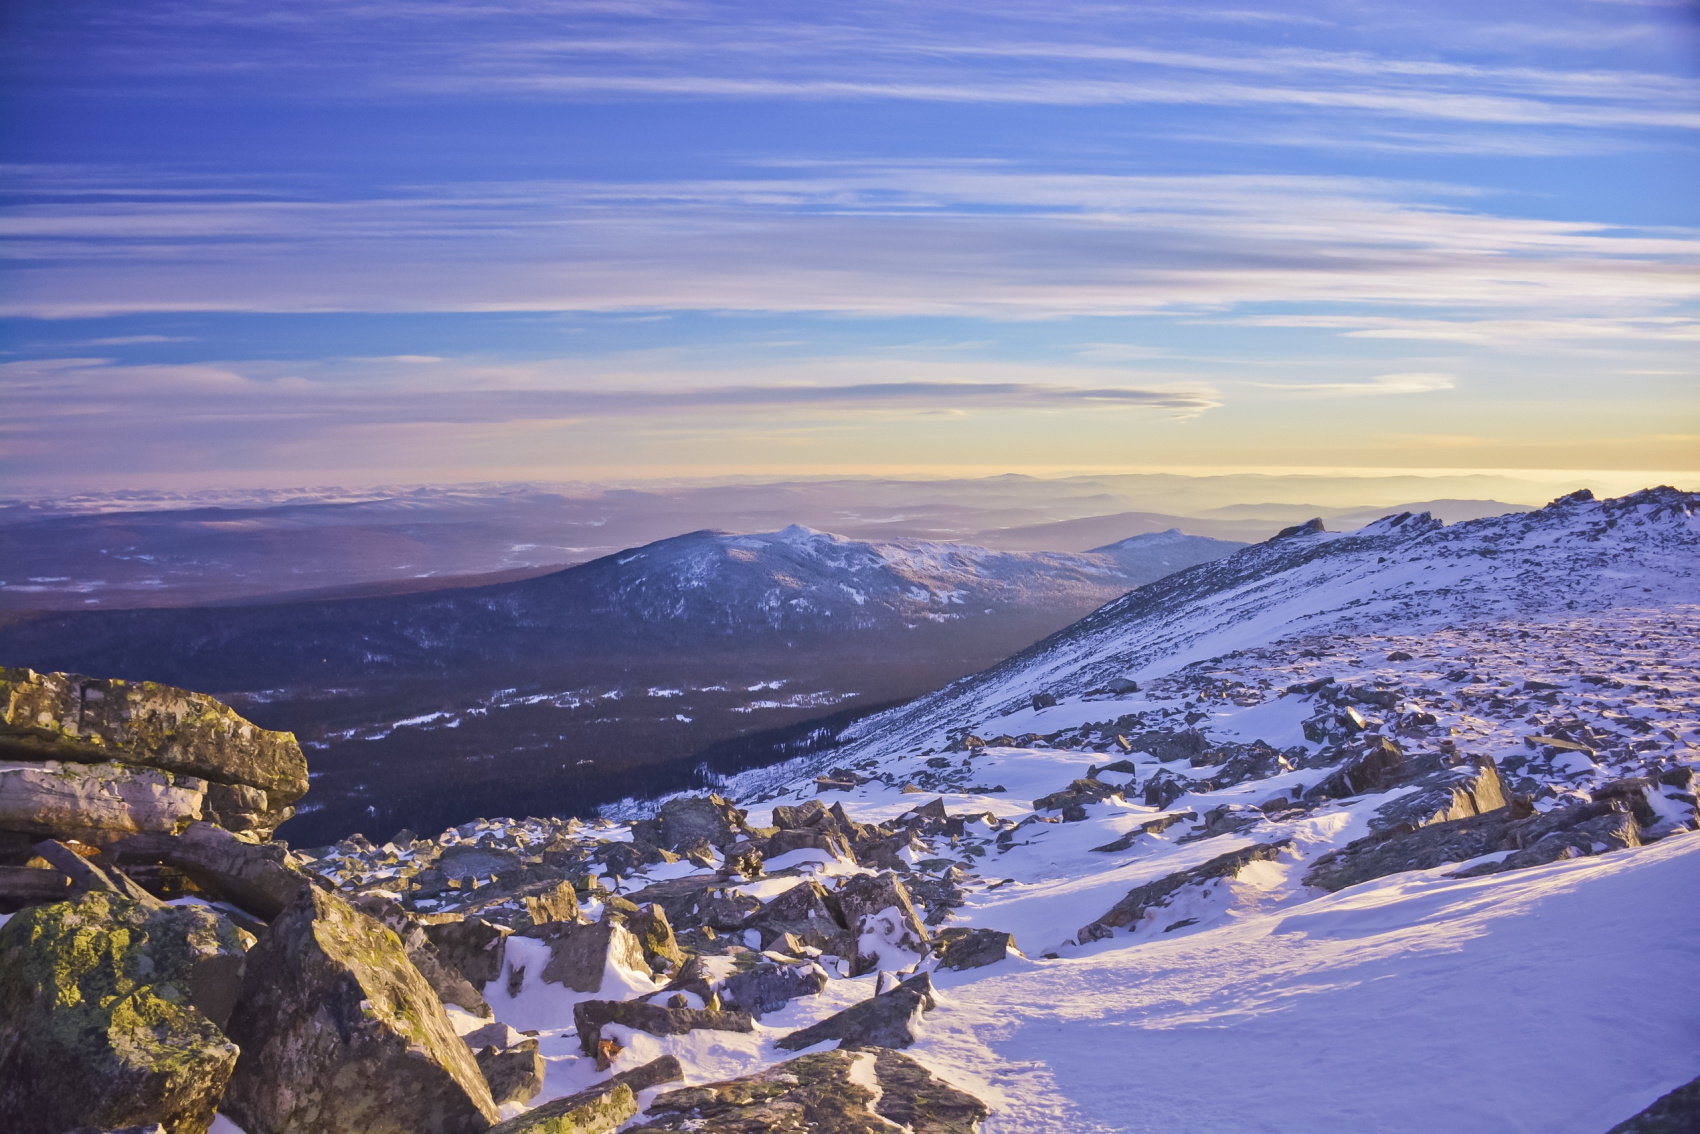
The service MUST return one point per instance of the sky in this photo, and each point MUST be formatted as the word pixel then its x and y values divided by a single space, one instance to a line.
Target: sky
pixel 386 241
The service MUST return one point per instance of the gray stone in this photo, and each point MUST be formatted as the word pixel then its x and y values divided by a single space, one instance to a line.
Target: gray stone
pixel 590 1016
pixel 889 1019
pixel 801 911
pixel 685 821
pixel 261 878
pixel 1131 909
pixel 824 1093
pixel 339 1031
pixel 579 954
pixel 511 1063
pixel 95 803
pixel 1675 1113
pixel 1443 796
pixel 598 1108
pixel 471 946
pixel 962 948
pixel 878 914
pixel 769 987
pixel 107 1015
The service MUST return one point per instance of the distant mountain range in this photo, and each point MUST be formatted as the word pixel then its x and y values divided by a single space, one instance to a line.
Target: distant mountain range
pixel 549 693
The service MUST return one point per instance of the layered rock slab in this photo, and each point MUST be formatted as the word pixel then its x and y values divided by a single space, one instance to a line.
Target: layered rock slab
pixel 833 1092
pixel 339 1031
pixel 107 1010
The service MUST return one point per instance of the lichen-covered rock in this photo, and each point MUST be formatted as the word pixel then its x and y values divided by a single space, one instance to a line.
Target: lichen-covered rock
pixel 598 1108
pixel 655 937
pixel 471 946
pixel 889 1019
pixel 107 1015
pixel 802 912
pixel 339 1031
pixel 95 803
pixel 450 985
pixel 833 1092
pixel 68 717
pixel 888 931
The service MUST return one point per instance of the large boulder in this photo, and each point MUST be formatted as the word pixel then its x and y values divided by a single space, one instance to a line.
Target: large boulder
pixel 765 988
pixel 1444 795
pixel 109 1015
pixel 1675 1113
pixel 831 1092
pixel 450 985
pixel 683 822
pixel 471 946
pixel 70 718
pixel 889 1019
pixel 803 912
pixel 261 878
pixel 597 1108
pixel 579 955
pixel 963 948
pixel 95 803
pixel 339 1031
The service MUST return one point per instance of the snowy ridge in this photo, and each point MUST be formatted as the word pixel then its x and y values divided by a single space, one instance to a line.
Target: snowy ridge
pixel 1576 554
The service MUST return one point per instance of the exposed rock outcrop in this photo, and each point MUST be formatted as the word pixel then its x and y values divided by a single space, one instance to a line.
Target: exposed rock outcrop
pixel 598 1108
pixel 1131 909
pixel 248 777
pixel 511 1063
pixel 889 1019
pixel 109 1015
pixel 339 1031
pixel 589 1017
pixel 825 1093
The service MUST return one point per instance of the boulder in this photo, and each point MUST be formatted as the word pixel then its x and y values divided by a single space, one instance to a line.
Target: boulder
pixel 22 886
pixel 962 948
pixel 511 1063
pixel 770 987
pixel 590 1016
pixel 801 911
pixel 87 876
pixel 598 1108
pixel 109 1015
pixel 1444 795
pixel 1675 1113
pixel 548 901
pixel 95 803
pixel 339 1031
pixel 889 1019
pixel 579 955
pixel 1131 908
pixel 261 878
pixel 1377 768
pixel 682 822
pixel 68 717
pixel 655 937
pixel 877 912
pixel 831 1092
pixel 1534 839
pixel 450 985
pixel 471 946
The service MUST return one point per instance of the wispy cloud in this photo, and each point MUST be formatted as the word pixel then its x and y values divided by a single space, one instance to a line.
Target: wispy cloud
pixel 1378 386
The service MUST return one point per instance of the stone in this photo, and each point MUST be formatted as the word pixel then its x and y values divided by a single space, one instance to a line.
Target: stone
pixel 655 936
pixel 1149 827
pixel 889 1019
pixel 95 803
pixel 511 1063
pixel 579 955
pixel 684 821
pixel 877 913
pixel 811 813
pixel 1169 746
pixel 1377 768
pixel 261 878
pixel 1534 839
pixel 1080 793
pixel 590 1016
pixel 597 1108
pixel 450 985
pixel 471 946
pixel 22 886
pixel 1445 795
pixel 339 1031
pixel 768 988
pixel 963 948
pixel 1675 1113
pixel 1131 908
pixel 547 902
pixel 109 1015
pixel 87 876
pixel 809 838
pixel 831 1092
pixel 68 717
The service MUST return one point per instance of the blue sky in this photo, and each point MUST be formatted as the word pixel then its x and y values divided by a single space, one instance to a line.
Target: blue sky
pixel 389 241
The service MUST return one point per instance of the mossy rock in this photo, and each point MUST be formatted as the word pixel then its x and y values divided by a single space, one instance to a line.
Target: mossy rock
pixel 340 1032
pixel 104 1015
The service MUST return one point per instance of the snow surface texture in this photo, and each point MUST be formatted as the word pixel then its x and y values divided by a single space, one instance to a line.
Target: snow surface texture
pixel 1557 998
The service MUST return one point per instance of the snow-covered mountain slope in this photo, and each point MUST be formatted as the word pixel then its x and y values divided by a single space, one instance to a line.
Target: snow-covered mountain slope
pixel 1152 555
pixel 1405 572
pixel 1398 833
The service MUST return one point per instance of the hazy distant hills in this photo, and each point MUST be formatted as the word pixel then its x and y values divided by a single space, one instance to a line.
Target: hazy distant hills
pixel 120 551
pixel 535 695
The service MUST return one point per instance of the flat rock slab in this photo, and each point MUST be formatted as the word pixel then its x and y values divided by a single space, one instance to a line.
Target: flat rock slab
pixel 106 1015
pixel 961 948
pixel 1131 908
pixel 66 716
pixel 96 803
pixel 886 1020
pixel 833 1092
pixel 339 1031
pixel 598 1108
